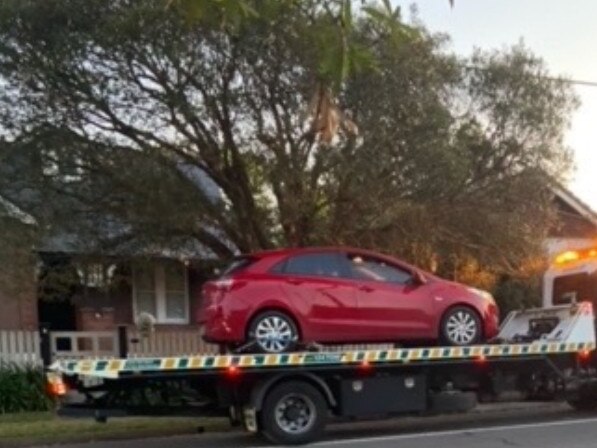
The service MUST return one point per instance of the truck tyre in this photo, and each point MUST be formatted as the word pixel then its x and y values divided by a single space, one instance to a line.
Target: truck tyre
pixel 293 413
pixel 461 326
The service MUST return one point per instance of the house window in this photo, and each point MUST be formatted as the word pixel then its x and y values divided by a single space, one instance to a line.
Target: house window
pixel 162 291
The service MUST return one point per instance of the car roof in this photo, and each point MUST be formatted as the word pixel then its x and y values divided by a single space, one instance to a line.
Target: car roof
pixel 310 249
pixel 289 251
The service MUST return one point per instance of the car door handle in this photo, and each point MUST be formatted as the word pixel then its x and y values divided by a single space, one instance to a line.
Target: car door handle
pixel 294 281
pixel 366 288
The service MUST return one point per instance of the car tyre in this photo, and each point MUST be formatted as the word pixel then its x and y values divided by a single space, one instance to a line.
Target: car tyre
pixel 461 326
pixel 273 332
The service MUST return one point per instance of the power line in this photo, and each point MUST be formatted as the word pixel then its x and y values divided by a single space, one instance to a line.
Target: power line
pixel 577 82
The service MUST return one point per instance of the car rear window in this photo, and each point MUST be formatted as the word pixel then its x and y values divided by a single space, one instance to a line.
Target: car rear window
pixel 237 265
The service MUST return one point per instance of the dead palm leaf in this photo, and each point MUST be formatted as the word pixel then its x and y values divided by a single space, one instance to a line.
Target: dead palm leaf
pixel 326 117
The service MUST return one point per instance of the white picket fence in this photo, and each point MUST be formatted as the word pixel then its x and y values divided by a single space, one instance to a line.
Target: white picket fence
pixel 23 347
pixel 104 344
pixel 20 347
pixel 168 343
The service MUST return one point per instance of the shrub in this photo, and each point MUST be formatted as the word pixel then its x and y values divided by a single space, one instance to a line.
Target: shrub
pixel 518 293
pixel 22 389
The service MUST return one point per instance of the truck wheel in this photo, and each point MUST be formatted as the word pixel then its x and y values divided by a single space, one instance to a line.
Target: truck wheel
pixel 461 326
pixel 293 413
pixel 273 332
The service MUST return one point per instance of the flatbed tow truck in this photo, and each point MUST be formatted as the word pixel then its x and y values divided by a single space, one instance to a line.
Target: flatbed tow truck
pixel 289 397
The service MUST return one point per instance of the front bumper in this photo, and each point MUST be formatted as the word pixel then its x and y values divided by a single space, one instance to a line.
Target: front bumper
pixel 491 322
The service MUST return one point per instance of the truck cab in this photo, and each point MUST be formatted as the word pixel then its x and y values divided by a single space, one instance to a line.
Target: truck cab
pixel 571 276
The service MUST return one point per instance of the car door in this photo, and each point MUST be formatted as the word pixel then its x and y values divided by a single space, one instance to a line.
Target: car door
pixel 391 305
pixel 319 289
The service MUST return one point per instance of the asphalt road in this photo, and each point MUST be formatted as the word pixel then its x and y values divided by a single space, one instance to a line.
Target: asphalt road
pixel 543 426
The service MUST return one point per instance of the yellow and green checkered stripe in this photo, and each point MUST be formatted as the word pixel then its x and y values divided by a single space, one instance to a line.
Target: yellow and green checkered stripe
pixel 116 367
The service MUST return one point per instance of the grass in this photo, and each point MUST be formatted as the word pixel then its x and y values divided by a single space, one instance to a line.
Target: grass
pixel 25 429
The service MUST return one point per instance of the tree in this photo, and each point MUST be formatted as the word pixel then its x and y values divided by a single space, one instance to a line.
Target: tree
pixel 128 111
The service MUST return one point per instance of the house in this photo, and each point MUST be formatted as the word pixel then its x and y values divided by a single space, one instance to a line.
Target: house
pixel 576 226
pixel 571 279
pixel 75 287
pixel 96 273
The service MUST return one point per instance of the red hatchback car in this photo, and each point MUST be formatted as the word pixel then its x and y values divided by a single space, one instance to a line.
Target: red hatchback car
pixel 277 300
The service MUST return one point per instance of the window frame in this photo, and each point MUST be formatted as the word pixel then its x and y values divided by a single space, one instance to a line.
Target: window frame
pixel 159 277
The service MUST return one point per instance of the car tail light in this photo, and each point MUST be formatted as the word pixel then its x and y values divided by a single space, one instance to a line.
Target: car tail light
pixel 212 294
pixel 223 284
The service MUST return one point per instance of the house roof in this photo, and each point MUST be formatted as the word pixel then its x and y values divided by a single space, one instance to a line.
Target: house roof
pixel 576 204
pixel 90 232
pixel 7 208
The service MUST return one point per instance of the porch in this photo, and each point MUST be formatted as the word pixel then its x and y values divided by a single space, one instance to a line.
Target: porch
pixel 100 294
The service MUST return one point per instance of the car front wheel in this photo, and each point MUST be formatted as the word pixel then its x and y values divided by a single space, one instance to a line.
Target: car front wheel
pixel 273 332
pixel 461 326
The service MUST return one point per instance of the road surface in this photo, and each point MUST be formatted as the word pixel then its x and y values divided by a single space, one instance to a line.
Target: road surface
pixel 547 426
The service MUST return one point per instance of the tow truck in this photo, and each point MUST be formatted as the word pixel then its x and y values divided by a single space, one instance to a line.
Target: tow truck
pixel 290 397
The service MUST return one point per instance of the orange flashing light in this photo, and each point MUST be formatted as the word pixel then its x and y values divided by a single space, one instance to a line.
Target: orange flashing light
pixel 57 388
pixel 572 256
pixel 569 256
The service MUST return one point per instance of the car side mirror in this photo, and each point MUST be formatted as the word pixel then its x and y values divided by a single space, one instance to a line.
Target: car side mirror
pixel 419 278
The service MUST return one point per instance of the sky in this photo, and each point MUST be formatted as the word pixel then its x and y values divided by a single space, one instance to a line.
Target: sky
pixel 563 33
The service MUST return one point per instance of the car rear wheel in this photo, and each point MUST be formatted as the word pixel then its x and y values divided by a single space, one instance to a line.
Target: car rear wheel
pixel 461 326
pixel 273 332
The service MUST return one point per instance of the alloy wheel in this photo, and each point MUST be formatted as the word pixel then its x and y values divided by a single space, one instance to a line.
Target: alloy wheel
pixel 461 328
pixel 274 334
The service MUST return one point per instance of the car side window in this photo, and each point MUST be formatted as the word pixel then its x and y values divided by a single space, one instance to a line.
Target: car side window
pixel 372 269
pixel 318 265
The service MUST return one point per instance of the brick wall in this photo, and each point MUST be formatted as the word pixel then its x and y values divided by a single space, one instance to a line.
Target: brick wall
pixel 94 319
pixel 18 310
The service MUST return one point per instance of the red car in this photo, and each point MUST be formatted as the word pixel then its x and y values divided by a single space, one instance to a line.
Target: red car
pixel 277 300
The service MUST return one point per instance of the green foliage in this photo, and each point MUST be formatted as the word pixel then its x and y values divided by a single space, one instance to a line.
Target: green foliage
pixel 17 262
pixel 518 293
pixel 22 389
pixel 453 159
